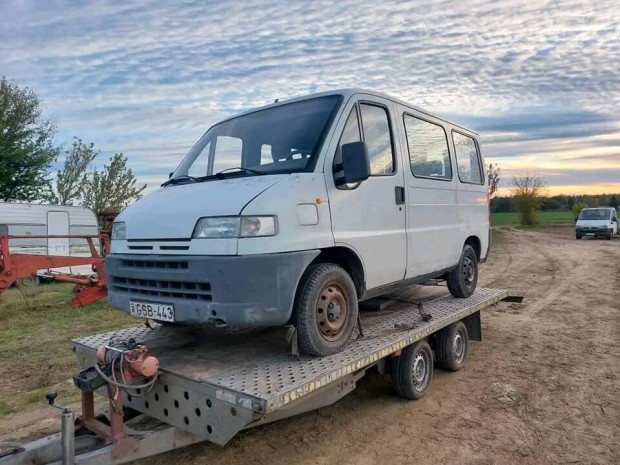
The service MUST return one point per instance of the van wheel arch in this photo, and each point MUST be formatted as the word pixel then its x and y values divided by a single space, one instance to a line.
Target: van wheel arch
pixel 349 261
pixel 475 244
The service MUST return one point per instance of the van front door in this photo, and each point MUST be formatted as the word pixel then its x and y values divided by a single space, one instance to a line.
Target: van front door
pixel 369 217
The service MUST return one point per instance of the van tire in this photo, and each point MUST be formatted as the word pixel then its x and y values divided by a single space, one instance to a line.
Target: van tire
pixel 578 236
pixel 610 233
pixel 331 284
pixel 463 279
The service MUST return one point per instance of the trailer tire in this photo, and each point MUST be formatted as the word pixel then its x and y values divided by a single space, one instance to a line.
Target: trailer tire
pixel 451 347
pixel 412 371
pixel 319 330
pixel 462 280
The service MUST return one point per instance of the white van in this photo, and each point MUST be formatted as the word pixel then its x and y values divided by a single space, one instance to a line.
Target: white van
pixel 294 212
pixel 599 221
pixel 28 219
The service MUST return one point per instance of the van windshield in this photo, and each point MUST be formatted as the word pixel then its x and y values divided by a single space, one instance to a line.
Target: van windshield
pixel 594 214
pixel 281 139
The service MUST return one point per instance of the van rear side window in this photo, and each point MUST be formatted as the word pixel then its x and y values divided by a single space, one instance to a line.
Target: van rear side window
pixel 429 156
pixel 467 159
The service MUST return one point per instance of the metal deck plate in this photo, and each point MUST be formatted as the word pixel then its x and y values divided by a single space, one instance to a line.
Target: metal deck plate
pixel 255 370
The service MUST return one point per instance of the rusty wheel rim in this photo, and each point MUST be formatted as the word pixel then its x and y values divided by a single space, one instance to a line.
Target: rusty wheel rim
pixel 332 312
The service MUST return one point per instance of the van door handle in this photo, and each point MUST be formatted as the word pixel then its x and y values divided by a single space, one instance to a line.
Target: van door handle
pixel 399 192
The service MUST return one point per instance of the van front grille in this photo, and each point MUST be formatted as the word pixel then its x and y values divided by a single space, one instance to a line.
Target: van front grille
pixel 163 264
pixel 163 288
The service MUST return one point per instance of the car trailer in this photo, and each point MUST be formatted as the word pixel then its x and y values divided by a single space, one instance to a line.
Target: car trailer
pixel 210 386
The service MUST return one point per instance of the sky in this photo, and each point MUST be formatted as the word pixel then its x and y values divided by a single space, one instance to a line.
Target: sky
pixel 538 80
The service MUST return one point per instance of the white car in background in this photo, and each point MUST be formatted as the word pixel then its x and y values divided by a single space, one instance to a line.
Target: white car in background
pixel 600 221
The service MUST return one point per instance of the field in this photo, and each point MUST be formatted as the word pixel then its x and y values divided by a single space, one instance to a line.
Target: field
pixel 541 388
pixel 546 218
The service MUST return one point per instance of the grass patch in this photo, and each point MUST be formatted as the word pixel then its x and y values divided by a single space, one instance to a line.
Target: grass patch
pixel 35 342
pixel 5 408
pixel 546 218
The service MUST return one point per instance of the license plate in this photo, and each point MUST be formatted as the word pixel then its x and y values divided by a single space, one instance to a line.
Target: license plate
pixel 163 312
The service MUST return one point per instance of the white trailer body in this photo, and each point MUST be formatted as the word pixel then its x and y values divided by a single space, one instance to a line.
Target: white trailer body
pixel 26 219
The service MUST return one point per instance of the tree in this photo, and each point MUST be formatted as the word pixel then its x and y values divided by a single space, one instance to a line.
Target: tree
pixel 578 207
pixel 493 173
pixel 528 191
pixel 613 201
pixel 112 188
pixel 26 144
pixel 71 181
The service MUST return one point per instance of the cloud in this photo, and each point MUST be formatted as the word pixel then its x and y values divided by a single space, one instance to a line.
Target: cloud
pixel 148 78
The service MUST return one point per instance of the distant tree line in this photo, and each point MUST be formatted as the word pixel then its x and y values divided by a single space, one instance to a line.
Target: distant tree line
pixel 558 202
pixel 27 152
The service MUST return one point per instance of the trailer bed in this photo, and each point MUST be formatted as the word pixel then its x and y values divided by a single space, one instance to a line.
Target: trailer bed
pixel 214 385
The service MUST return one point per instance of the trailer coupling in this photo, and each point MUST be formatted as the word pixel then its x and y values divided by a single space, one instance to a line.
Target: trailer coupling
pixel 121 366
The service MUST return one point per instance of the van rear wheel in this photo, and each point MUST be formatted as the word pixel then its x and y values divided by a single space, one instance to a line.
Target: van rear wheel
pixel 326 310
pixel 463 279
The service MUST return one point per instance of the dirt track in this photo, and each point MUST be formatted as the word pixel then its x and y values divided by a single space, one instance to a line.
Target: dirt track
pixel 543 386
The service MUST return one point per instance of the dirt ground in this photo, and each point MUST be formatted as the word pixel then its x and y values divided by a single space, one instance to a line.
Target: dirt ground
pixel 542 388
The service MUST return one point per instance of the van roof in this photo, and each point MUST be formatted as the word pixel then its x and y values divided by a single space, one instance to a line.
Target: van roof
pixel 347 93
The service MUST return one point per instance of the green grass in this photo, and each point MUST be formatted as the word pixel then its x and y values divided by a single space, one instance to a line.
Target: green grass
pixel 546 218
pixel 35 342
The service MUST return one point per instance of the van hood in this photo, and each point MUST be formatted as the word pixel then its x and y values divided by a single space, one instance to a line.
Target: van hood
pixel 593 223
pixel 171 212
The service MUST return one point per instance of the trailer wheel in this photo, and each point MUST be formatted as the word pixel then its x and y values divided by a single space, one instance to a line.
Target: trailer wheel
pixel 452 345
pixel 326 310
pixel 463 279
pixel 412 371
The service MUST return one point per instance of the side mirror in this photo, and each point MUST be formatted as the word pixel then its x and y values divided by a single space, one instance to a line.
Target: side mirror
pixel 576 218
pixel 355 162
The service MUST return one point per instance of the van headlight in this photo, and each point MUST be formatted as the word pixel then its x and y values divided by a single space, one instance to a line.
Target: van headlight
pixel 221 227
pixel 119 231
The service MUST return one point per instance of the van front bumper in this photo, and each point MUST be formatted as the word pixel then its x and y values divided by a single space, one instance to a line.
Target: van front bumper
pixel 240 291
pixel 592 231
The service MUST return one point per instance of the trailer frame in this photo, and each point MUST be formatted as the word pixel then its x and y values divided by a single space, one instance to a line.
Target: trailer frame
pixel 212 386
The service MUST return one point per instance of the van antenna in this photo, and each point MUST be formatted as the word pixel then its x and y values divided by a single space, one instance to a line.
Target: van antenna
pixel 276 101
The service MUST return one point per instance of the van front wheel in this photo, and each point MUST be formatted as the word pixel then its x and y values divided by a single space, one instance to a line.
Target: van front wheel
pixel 463 279
pixel 326 310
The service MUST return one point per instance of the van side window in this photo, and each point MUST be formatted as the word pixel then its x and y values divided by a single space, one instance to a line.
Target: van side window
pixel 428 149
pixel 265 154
pixel 467 159
pixel 228 152
pixel 378 138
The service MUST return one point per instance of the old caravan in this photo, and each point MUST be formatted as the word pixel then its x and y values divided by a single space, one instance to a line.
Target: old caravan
pixel 294 212
pixel 25 219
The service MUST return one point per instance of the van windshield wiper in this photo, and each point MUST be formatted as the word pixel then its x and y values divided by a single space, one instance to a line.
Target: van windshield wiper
pixel 180 179
pixel 240 168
